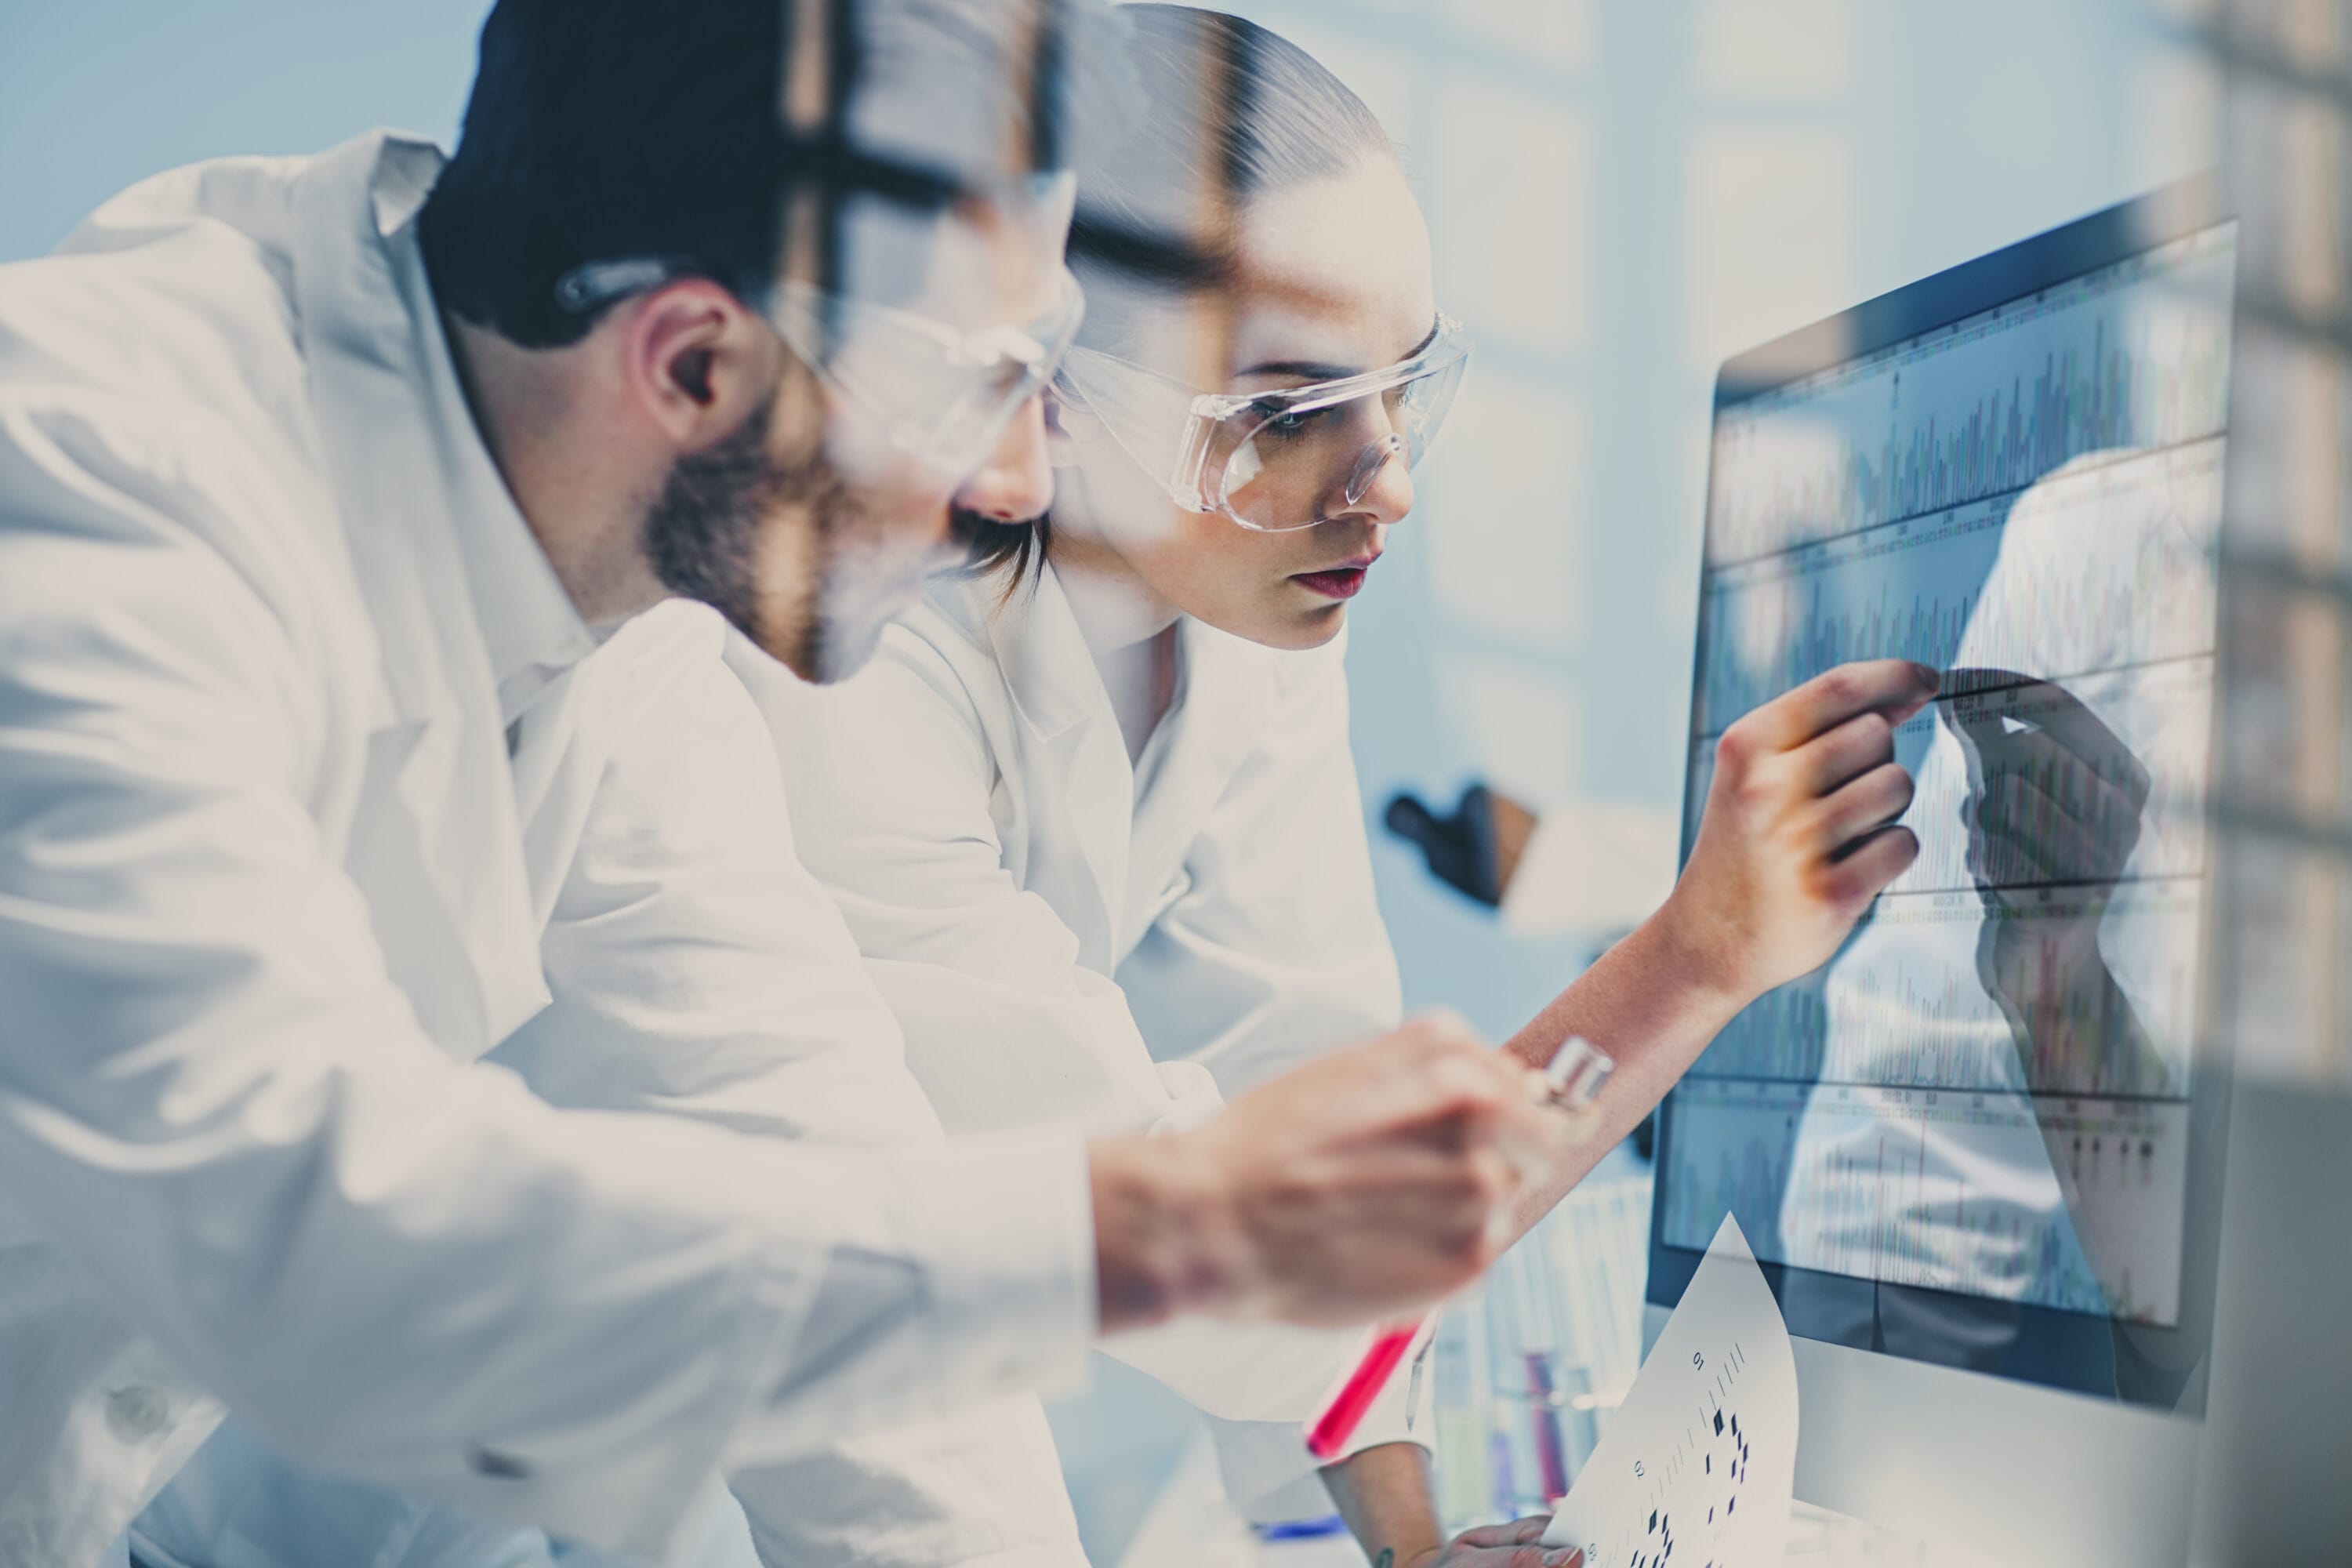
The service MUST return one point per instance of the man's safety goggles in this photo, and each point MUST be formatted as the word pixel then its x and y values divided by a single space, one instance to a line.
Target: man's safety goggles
pixel 941 395
pixel 1271 461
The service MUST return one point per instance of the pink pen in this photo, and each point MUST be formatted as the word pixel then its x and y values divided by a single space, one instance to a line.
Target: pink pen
pixel 1574 1075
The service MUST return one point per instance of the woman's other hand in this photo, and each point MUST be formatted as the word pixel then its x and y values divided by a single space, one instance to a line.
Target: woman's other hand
pixel 1518 1544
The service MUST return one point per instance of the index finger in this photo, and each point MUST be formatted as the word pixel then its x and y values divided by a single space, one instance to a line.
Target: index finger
pixel 1894 686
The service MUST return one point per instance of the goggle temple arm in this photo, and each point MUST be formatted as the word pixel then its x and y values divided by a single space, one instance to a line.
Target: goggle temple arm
pixel 1141 408
pixel 1187 487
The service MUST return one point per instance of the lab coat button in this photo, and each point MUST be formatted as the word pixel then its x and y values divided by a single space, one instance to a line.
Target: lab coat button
pixel 136 1412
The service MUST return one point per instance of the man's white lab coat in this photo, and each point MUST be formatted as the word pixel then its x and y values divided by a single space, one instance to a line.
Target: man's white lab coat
pixel 696 968
pixel 1058 947
pixel 269 887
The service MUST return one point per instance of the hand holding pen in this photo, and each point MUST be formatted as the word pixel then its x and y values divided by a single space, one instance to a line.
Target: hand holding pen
pixel 1569 1082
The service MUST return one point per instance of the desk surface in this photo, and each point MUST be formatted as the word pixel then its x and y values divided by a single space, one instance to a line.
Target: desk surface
pixel 1817 1539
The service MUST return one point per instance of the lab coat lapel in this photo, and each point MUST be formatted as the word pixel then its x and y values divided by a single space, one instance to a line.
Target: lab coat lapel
pixel 465 943
pixel 1079 780
pixel 1225 702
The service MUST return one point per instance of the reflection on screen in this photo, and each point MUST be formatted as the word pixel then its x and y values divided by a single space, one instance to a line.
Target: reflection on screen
pixel 1986 1092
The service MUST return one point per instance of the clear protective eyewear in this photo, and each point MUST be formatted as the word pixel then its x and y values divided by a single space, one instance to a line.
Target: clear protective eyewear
pixel 941 395
pixel 1271 461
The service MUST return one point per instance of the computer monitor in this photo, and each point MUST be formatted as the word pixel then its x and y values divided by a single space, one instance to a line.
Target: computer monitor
pixel 1977 1154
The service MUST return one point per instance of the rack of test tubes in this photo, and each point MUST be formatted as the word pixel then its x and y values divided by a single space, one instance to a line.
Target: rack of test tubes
pixel 1526 1371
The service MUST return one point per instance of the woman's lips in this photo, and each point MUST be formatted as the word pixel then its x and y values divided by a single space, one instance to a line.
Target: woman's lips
pixel 1336 581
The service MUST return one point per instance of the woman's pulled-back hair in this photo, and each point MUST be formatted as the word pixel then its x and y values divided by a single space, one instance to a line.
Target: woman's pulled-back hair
pixel 1232 111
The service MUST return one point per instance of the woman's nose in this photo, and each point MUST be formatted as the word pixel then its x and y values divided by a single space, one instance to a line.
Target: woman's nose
pixel 1016 483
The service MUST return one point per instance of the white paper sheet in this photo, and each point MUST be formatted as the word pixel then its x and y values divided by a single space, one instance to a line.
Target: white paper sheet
pixel 1696 1467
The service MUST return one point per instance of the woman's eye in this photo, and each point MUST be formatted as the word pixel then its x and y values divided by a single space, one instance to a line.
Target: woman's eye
pixel 1279 421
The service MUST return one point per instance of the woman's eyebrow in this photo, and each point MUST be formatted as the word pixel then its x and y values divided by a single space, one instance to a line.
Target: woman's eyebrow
pixel 1305 369
pixel 1322 370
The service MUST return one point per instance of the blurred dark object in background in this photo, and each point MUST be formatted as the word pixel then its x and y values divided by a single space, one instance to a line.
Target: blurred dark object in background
pixel 1475 847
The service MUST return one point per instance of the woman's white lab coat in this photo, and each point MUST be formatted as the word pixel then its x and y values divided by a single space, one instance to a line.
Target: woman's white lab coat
pixel 1058 948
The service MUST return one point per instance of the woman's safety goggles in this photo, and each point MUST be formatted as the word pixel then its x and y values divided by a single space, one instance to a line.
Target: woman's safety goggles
pixel 1271 461
pixel 941 395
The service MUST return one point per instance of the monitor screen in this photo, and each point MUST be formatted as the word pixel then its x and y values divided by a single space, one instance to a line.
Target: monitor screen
pixel 1967 1138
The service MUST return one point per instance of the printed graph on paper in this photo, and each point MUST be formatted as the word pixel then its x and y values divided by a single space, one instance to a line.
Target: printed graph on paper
pixel 1698 1466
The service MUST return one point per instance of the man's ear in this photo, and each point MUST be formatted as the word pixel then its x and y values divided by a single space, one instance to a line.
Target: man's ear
pixel 699 362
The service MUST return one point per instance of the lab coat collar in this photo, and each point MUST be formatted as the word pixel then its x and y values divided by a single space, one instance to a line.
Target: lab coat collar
pixel 1038 645
pixel 1225 698
pixel 1072 734
pixel 367 364
pixel 412 480
pixel 1051 672
pixel 529 626
pixel 1227 688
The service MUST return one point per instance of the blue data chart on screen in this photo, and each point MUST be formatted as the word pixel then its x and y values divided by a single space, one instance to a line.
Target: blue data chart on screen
pixel 1987 1090
pixel 2134 586
pixel 2129 358
pixel 1943 1190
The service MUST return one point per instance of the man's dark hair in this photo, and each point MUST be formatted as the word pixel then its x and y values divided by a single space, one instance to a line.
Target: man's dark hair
pixel 608 129
pixel 604 128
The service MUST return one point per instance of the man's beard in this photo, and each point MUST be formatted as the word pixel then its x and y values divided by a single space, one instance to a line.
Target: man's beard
pixel 714 534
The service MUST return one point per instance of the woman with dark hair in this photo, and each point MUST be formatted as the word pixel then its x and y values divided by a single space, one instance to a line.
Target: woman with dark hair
pixel 1092 815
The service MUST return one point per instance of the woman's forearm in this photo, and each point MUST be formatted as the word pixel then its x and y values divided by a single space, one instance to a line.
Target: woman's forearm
pixel 1384 1495
pixel 1652 1002
pixel 1795 841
